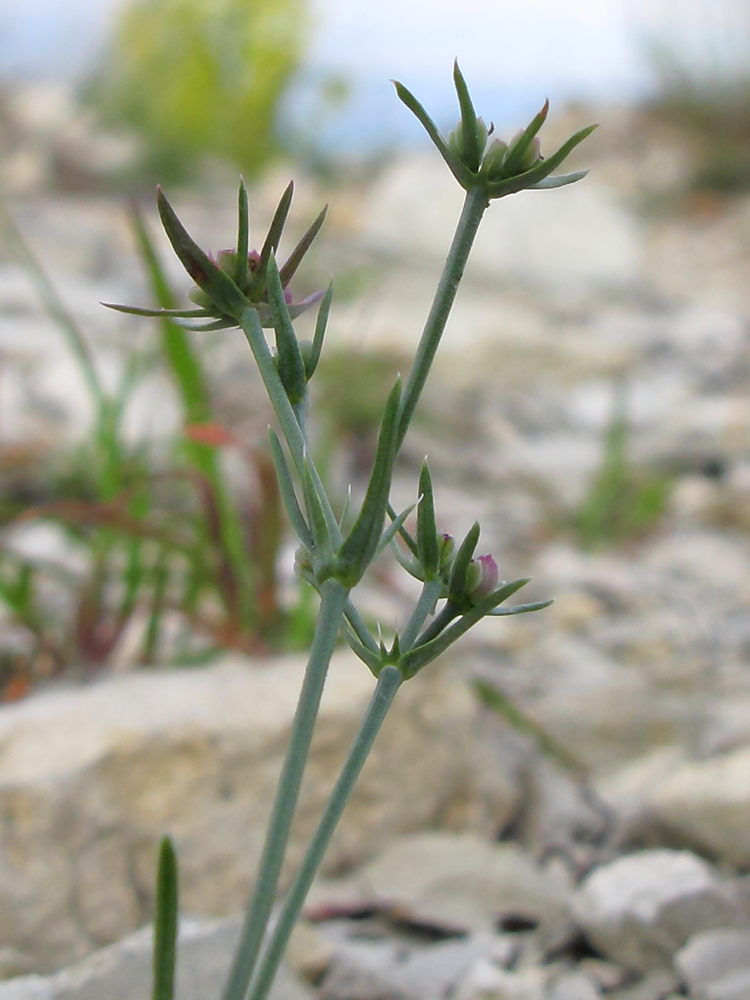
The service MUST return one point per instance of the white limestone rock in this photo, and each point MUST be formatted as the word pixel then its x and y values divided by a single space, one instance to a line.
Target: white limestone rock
pixel 640 909
pixel 91 778
pixel 716 965
pixel 123 970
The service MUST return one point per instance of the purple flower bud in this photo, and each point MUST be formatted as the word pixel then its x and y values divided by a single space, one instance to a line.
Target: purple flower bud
pixel 482 577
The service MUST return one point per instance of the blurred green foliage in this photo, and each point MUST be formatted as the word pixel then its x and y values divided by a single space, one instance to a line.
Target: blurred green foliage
pixel 701 64
pixel 623 503
pixel 200 77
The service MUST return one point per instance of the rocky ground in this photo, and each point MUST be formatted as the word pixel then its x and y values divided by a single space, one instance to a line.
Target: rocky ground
pixel 604 852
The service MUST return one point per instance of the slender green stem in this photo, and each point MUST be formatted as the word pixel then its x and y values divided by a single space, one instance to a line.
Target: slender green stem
pixel 430 593
pixel 446 615
pixel 333 600
pixel 474 206
pixel 388 684
pixel 290 427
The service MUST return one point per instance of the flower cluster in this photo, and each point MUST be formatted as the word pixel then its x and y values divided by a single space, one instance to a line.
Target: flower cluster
pixel 498 168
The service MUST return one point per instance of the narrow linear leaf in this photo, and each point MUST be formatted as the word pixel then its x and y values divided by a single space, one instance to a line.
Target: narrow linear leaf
pixel 411 567
pixel 362 632
pixel 457 582
pixel 166 920
pixel 521 609
pixel 289 269
pixel 392 530
pixel 288 495
pixel 559 180
pixel 311 362
pixel 243 237
pixel 362 541
pixel 515 153
pixel 271 243
pixel 500 703
pixel 472 152
pixel 205 273
pixel 291 364
pixel 316 517
pixel 138 311
pixel 427 540
pixel 459 171
pixel 372 659
pixel 404 534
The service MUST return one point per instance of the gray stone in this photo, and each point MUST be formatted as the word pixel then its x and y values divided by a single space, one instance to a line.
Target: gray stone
pixel 573 986
pixel 123 970
pixel 486 981
pixel 397 967
pixel 716 965
pixel 91 778
pixel 458 881
pixel 655 985
pixel 640 909
pixel 707 804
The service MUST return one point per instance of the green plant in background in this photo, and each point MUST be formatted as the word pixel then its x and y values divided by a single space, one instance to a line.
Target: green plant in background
pixel 703 90
pixel 200 77
pixel 249 291
pixel 623 502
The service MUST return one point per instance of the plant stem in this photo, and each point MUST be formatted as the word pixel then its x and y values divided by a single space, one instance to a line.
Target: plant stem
pixel 333 600
pixel 290 427
pixel 440 622
pixel 474 206
pixel 430 593
pixel 388 684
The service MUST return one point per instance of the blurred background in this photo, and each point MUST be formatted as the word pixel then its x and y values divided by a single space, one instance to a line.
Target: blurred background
pixel 590 405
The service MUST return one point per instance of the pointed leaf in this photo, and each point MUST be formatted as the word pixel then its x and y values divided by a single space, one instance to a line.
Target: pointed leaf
pixel 205 273
pixel 362 632
pixel 404 534
pixel 271 243
pixel 459 171
pixel 289 355
pixel 412 568
pixel 243 237
pixel 286 489
pixel 460 567
pixel 322 546
pixel 472 153
pixel 217 324
pixel 427 540
pixel 559 180
pixel 361 543
pixel 137 311
pixel 371 658
pixel 311 362
pixel 515 153
pixel 521 609
pixel 165 923
pixel 295 258
pixel 393 528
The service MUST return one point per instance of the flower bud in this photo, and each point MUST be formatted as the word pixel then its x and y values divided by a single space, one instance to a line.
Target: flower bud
pixel 532 155
pixel 481 578
pixel 493 158
pixel 447 548
pixel 226 259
